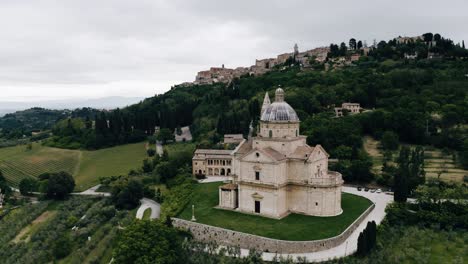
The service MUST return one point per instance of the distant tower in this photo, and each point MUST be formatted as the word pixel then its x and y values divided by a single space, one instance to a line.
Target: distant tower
pixel 266 103
pixel 296 49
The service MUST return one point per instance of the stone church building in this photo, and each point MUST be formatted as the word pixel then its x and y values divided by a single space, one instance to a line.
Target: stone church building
pixel 276 173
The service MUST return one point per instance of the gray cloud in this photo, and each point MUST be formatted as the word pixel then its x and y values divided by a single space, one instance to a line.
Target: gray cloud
pixel 138 48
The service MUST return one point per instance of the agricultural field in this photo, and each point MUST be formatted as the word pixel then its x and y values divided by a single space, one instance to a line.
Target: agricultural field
pixel 77 230
pixel 436 162
pixel 86 167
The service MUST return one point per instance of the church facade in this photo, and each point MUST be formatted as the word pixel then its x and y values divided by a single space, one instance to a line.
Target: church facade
pixel 276 173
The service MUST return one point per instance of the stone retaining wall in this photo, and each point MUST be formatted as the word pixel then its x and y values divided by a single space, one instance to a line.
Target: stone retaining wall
pixel 221 236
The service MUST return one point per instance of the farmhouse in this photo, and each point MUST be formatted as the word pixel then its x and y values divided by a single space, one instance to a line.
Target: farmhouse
pixel 276 173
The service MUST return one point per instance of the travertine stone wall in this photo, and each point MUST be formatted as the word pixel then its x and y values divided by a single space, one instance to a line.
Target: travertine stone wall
pixel 223 236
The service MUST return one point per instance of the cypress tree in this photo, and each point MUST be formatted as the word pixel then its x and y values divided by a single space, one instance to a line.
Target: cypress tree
pixel 463 44
pixel 401 177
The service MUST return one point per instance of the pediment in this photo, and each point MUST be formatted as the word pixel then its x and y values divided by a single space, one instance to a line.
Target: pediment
pixel 318 153
pixel 257 196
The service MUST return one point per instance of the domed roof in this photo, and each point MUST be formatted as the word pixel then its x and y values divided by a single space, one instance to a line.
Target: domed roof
pixel 279 110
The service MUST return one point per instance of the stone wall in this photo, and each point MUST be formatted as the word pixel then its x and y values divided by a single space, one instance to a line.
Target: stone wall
pixel 206 233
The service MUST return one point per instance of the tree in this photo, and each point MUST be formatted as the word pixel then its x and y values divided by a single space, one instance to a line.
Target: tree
pixel 359 45
pixel 367 239
pixel 437 37
pixel 463 44
pixel 428 37
pixel 126 194
pixel 4 185
pixel 352 44
pixel 401 176
pixel 389 140
pixel 150 152
pixel 28 185
pixel 59 185
pixel 62 246
pixel 165 135
pixel 464 154
pixel 149 242
pixel 343 49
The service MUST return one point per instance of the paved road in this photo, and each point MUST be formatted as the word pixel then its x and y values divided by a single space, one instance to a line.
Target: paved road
pixel 185 135
pixel 348 247
pixel 159 148
pixel 215 179
pixel 92 192
pixel 148 203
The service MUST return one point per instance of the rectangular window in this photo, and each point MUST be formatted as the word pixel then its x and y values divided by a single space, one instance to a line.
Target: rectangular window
pixel 257 207
pixel 257 175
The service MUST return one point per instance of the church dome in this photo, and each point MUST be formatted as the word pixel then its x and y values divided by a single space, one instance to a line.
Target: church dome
pixel 279 110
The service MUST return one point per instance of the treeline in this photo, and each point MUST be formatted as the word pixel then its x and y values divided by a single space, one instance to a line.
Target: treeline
pixel 23 123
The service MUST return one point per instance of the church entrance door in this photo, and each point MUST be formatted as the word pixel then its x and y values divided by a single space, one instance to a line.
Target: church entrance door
pixel 257 206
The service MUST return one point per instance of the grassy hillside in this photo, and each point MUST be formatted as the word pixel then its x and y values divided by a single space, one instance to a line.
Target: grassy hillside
pixel 108 162
pixel 17 162
pixel 436 162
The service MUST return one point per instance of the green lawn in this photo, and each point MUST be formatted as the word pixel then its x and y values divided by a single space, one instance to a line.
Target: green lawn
pixel 146 214
pixel 293 227
pixel 17 163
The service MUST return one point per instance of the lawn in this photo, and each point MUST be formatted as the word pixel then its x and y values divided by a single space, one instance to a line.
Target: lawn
pixel 293 227
pixel 18 163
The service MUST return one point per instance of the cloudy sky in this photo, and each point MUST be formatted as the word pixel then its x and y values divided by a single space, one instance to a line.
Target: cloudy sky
pixel 98 48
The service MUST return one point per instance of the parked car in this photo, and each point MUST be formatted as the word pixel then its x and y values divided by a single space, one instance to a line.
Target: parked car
pixel 372 190
pixel 359 188
pixel 378 191
pixel 366 189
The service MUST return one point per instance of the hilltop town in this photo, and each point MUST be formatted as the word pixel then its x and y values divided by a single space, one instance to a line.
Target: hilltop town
pixel 331 57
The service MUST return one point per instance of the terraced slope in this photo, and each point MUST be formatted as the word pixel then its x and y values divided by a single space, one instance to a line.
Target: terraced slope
pixel 436 162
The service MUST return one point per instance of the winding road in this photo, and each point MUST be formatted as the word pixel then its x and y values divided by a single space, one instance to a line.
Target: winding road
pixel 148 203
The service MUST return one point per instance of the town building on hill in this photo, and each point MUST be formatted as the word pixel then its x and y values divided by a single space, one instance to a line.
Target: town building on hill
pixel 351 108
pixel 276 173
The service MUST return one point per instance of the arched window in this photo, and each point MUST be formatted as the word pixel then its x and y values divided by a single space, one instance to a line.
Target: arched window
pixel 270 134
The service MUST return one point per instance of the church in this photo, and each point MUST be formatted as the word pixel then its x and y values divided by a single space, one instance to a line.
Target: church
pixel 276 173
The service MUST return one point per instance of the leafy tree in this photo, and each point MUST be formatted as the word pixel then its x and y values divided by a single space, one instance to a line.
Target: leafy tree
pixel 126 193
pixel 150 152
pixel 428 37
pixel 389 140
pixel 165 135
pixel 28 185
pixel 352 44
pixel 4 185
pixel 62 247
pixel 359 44
pixel 59 185
pixel 149 242
pixel 464 154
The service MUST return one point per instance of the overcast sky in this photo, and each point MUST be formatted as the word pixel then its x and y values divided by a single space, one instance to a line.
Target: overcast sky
pixel 98 48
